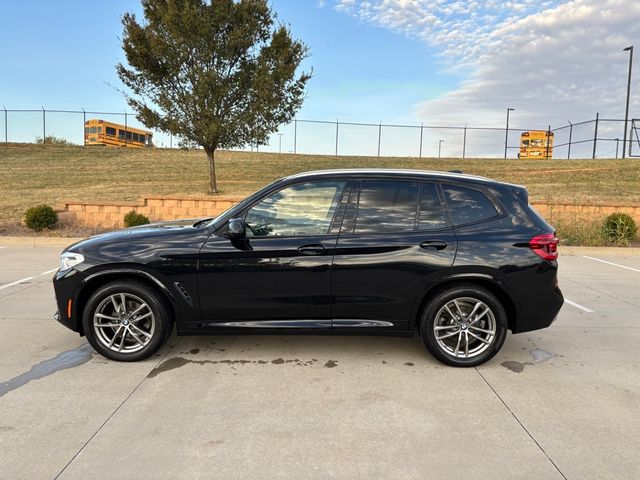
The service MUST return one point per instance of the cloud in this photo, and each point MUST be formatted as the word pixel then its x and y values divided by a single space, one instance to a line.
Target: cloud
pixel 551 62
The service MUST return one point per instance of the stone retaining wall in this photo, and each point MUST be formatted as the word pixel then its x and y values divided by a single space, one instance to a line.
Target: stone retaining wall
pixel 157 208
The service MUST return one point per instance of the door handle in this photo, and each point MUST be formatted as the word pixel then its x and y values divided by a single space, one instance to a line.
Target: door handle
pixel 434 244
pixel 312 249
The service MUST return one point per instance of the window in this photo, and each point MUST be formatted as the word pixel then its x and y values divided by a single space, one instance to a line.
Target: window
pixel 142 138
pixel 129 136
pixel 92 130
pixel 111 131
pixel 304 209
pixel 431 216
pixel 386 206
pixel 86 130
pixel 467 205
pixel 121 134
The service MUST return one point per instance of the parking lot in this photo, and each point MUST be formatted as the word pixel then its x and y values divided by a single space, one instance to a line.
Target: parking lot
pixel 557 403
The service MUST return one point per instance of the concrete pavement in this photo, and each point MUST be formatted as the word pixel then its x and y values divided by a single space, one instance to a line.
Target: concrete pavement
pixel 557 403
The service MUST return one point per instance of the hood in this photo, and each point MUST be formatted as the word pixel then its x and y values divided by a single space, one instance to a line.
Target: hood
pixel 143 235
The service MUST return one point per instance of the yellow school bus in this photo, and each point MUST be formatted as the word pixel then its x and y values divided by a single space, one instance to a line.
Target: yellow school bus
pixel 536 144
pixel 103 133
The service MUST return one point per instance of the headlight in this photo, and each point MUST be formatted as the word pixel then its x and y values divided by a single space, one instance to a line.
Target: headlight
pixel 70 259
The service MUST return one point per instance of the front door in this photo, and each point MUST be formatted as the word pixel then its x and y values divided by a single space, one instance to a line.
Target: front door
pixel 279 274
pixel 394 241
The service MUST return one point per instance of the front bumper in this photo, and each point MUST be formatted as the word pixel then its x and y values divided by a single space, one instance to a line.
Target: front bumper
pixel 66 286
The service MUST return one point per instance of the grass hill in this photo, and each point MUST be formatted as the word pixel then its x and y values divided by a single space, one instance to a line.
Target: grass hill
pixel 34 174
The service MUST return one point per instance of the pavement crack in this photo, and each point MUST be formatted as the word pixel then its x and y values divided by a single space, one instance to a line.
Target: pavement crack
pixel 115 411
pixel 521 424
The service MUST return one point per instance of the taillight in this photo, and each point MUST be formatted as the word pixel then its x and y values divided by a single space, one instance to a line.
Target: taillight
pixel 545 246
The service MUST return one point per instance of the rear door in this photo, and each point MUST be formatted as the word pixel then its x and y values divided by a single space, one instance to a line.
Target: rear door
pixel 394 240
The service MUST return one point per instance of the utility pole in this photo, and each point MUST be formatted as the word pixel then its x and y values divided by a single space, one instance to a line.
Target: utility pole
pixel 626 114
pixel 506 132
pixel 440 147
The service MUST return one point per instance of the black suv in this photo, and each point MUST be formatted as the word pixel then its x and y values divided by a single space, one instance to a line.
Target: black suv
pixel 459 259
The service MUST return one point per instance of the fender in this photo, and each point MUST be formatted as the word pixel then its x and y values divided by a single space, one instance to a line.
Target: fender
pixel 460 277
pixel 115 272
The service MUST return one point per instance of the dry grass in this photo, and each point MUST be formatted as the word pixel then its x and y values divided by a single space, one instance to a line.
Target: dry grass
pixel 34 174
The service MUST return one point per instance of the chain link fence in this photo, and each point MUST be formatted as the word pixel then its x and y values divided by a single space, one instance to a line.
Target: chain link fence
pixel 596 138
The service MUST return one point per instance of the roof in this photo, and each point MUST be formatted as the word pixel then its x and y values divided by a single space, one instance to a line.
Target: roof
pixel 393 172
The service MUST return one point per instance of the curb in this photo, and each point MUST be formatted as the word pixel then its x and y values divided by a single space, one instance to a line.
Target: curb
pixel 38 241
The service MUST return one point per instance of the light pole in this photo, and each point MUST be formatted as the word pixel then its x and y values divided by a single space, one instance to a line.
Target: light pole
pixel 626 114
pixel 280 142
pixel 506 132
pixel 440 147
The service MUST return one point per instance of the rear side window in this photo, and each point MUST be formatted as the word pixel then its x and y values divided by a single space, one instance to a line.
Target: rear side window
pixel 430 216
pixel 467 205
pixel 386 206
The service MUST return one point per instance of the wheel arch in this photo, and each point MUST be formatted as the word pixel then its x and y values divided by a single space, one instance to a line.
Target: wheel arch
pixel 482 280
pixel 94 281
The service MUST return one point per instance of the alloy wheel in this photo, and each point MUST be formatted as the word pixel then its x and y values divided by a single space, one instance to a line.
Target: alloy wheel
pixel 465 327
pixel 124 323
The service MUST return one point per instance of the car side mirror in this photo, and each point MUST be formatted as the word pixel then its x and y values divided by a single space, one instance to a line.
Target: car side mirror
pixel 236 228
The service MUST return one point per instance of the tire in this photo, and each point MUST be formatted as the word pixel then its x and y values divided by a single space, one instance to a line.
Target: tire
pixel 466 337
pixel 134 334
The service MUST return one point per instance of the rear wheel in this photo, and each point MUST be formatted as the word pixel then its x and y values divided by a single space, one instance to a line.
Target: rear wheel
pixel 126 321
pixel 464 326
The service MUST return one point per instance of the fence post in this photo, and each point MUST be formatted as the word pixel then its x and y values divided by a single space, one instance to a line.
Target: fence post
pixel 421 132
pixel 379 135
pixel 548 139
pixel 595 136
pixel 44 126
pixel 464 141
pixel 84 122
pixel 337 137
pixel 295 136
pixel 170 139
pixel 6 129
pixel 617 145
pixel 570 135
pixel 125 128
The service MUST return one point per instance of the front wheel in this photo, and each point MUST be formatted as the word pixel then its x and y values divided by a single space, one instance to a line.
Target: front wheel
pixel 464 326
pixel 126 321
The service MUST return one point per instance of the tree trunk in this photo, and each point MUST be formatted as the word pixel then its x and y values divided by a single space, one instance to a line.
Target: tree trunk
pixel 213 186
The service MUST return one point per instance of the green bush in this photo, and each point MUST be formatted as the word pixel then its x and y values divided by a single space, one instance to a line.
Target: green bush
pixel 51 140
pixel 40 217
pixel 133 219
pixel 620 229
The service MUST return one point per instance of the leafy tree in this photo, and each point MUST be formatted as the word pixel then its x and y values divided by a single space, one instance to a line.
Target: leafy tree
pixel 218 73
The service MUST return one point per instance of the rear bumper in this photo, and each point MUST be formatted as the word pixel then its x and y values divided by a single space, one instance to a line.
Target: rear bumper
pixel 540 313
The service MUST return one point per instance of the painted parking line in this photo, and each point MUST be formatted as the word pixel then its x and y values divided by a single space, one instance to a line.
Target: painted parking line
pixel 614 264
pixel 26 279
pixel 577 305
pixel 17 282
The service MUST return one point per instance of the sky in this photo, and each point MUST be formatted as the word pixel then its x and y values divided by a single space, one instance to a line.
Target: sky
pixel 408 62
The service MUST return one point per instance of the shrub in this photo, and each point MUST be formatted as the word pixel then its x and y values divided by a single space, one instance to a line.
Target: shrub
pixel 51 140
pixel 40 217
pixel 133 219
pixel 620 228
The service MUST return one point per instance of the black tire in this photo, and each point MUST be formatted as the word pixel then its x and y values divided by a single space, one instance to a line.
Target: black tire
pixel 157 324
pixel 455 330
